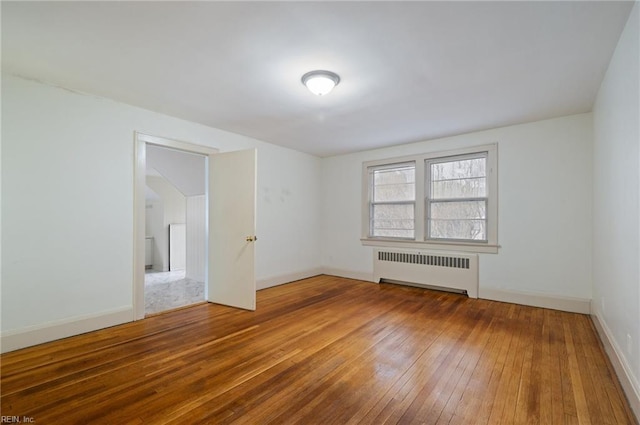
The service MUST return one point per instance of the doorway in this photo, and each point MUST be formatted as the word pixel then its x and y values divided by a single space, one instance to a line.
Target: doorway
pixel 175 229
pixel 230 223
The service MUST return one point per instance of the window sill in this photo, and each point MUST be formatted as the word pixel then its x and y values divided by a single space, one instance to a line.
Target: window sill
pixel 440 246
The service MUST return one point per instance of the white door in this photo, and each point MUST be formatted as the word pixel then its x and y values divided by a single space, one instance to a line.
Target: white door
pixel 232 227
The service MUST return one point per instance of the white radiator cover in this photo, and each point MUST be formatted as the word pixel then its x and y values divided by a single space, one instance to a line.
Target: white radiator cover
pixel 438 269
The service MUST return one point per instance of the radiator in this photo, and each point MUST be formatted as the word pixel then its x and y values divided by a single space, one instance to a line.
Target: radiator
pixel 451 271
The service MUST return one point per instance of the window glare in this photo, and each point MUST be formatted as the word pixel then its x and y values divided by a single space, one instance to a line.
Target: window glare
pixel 458 229
pixel 463 178
pixel 393 194
pixel 396 184
pixel 462 182
pixel 391 220
pixel 463 188
pixel 458 169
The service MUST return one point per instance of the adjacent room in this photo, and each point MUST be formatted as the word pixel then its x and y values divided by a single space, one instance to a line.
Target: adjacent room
pixel 320 212
pixel 175 229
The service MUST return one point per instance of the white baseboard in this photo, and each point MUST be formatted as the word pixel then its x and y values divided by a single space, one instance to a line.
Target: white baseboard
pixel 573 305
pixel 286 278
pixel 33 335
pixel 628 381
pixel 38 334
pixel 367 277
pixel 554 302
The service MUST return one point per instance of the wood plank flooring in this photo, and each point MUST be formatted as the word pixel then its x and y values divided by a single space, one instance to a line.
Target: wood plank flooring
pixel 325 350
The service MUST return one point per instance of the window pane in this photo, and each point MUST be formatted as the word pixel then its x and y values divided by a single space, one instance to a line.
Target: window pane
pixel 391 220
pixel 458 229
pixel 457 169
pixel 458 210
pixel 464 178
pixel 458 220
pixel 394 184
pixel 475 187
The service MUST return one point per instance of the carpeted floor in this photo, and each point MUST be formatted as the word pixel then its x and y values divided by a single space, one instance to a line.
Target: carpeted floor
pixel 169 290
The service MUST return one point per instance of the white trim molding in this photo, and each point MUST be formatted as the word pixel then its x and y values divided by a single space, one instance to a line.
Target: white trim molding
pixel 554 302
pixel 427 246
pixel 420 164
pixel 286 278
pixel 367 277
pixel 629 383
pixel 38 334
pixel 175 144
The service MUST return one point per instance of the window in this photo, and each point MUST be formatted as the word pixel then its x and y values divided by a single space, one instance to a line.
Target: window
pixel 393 200
pixel 458 200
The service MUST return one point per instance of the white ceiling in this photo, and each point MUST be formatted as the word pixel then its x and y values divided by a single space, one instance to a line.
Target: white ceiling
pixel 410 71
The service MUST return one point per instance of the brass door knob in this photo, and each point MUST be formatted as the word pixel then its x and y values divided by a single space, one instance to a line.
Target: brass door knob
pixel 252 238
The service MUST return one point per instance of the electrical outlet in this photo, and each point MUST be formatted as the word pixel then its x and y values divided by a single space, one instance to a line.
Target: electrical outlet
pixel 629 345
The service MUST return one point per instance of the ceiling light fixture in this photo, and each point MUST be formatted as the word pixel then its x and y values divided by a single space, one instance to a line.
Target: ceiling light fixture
pixel 320 82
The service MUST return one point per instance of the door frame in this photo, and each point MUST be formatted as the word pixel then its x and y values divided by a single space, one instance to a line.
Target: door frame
pixel 139 175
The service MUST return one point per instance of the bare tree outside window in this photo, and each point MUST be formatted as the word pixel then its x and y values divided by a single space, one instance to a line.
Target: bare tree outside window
pixel 457 198
pixel 393 201
pixel 436 200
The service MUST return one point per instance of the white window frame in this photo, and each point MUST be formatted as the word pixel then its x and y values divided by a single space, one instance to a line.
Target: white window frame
pixel 429 199
pixel 421 239
pixel 372 203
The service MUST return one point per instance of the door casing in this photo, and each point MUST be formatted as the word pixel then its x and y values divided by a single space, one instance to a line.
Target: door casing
pixel 140 157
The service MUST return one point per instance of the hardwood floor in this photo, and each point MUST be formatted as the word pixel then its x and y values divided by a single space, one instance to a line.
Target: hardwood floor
pixel 325 350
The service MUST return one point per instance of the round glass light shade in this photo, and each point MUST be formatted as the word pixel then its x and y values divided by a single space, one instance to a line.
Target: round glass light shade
pixel 320 82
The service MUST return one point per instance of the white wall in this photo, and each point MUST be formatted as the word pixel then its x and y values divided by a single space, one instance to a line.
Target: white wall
pixel 174 208
pixel 148 228
pixel 544 178
pixel 196 237
pixel 154 225
pixel 616 193
pixel 287 195
pixel 67 210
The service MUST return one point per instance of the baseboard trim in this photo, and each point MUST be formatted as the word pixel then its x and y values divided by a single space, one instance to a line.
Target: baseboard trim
pixel 367 277
pixel 573 305
pixel 554 302
pixel 38 334
pixel 629 383
pixel 287 278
